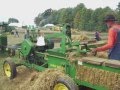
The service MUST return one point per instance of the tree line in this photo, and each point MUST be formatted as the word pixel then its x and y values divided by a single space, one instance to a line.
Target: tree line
pixel 78 17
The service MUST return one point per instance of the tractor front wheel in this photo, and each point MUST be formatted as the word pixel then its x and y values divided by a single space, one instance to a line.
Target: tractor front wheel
pixel 65 83
pixel 9 68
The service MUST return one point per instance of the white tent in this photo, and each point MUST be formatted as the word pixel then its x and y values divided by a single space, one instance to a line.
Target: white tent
pixel 15 24
pixel 49 25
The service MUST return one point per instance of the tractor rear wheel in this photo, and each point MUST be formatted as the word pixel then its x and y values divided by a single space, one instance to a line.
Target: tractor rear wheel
pixel 65 83
pixel 9 68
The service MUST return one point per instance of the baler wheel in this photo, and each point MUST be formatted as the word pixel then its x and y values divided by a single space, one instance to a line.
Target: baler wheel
pixel 9 68
pixel 65 83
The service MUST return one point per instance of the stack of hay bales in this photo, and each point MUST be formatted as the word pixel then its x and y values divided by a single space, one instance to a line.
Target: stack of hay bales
pixel 80 37
pixel 73 31
pixel 100 77
pixel 57 28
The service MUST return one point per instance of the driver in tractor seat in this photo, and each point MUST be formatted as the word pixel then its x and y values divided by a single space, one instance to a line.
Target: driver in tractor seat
pixel 40 45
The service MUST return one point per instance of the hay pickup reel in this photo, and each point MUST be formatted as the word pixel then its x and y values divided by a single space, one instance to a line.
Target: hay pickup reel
pixel 72 59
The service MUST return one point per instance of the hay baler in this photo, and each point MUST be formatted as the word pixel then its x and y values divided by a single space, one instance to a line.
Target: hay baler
pixel 71 57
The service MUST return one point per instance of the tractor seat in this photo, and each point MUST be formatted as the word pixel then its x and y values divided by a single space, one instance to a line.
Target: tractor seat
pixel 40 48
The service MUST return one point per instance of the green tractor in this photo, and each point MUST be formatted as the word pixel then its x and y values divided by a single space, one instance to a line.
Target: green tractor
pixel 3 36
pixel 71 57
pixel 4 28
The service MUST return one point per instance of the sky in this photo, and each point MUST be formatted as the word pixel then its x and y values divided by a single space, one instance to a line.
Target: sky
pixel 26 10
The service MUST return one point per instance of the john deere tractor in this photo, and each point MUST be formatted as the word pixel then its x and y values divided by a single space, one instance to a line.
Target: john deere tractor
pixel 3 36
pixel 4 28
pixel 71 57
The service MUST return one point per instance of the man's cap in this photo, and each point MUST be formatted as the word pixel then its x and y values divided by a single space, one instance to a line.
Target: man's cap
pixel 110 18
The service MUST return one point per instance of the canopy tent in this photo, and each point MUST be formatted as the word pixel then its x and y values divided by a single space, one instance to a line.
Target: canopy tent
pixel 15 24
pixel 49 25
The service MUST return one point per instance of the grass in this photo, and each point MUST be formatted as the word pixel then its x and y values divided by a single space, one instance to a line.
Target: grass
pixel 11 41
pixel 15 40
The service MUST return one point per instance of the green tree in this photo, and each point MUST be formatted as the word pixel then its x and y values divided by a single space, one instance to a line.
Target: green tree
pixel 61 15
pixel 37 21
pixel 87 17
pixel 13 20
pixel 53 18
pixel 47 13
pixel 77 15
pixel 105 11
pixel 118 12
pixel 77 20
pixel 80 17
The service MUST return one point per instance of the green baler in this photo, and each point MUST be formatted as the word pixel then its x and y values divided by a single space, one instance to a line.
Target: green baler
pixel 71 57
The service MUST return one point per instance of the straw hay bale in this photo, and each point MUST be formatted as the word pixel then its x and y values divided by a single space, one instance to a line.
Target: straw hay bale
pixel 95 76
pixel 80 37
pixel 74 31
pixel 57 28
pixel 47 79
pixel 41 80
pixel 102 54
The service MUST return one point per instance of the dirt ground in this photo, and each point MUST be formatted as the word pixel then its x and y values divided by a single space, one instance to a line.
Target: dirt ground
pixel 29 80
pixel 23 75
pixel 26 79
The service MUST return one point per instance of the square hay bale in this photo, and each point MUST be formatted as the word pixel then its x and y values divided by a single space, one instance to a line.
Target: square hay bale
pixel 100 77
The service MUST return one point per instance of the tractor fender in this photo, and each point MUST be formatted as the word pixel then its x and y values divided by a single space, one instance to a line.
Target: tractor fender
pixel 26 47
